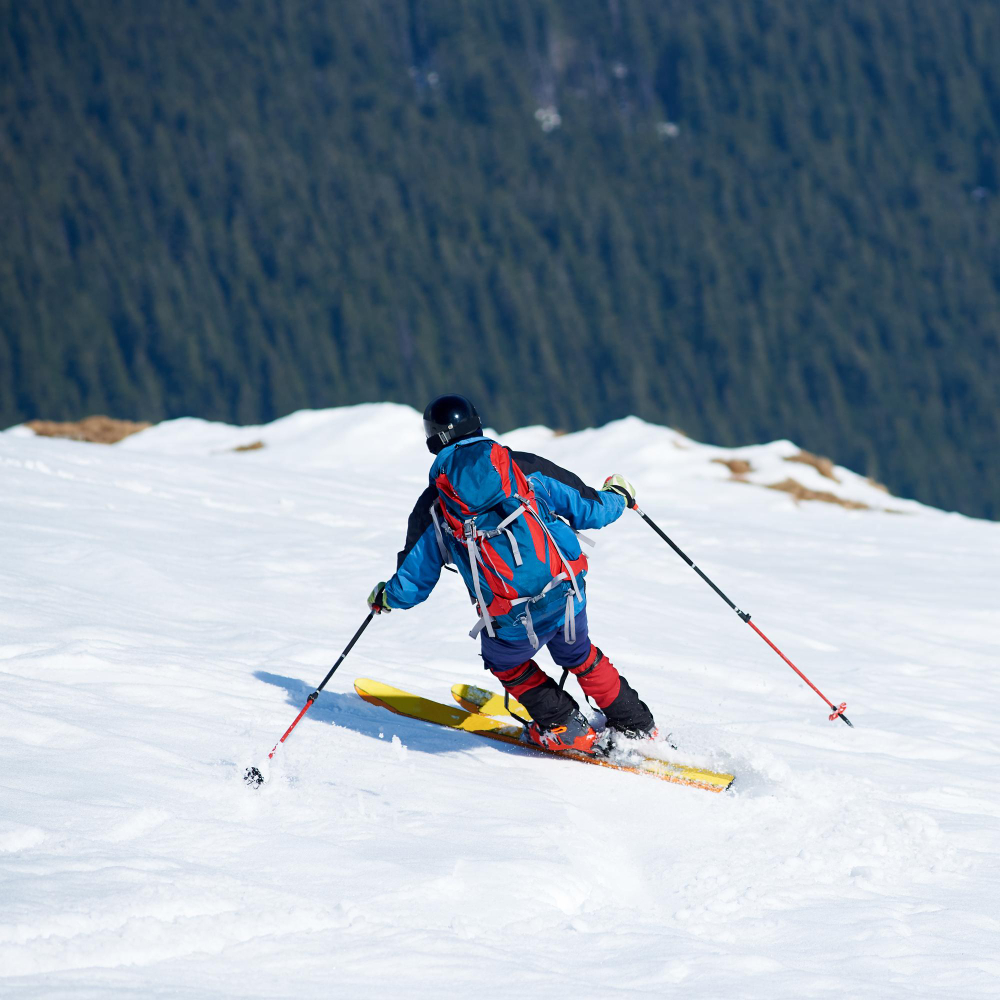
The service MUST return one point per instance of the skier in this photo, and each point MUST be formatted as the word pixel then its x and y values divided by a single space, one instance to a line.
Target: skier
pixel 507 520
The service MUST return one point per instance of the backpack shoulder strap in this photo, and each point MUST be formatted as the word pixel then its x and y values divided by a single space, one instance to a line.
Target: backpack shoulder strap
pixel 439 536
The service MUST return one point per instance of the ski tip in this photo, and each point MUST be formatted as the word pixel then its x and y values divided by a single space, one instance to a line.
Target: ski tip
pixel 470 697
pixel 253 777
pixel 484 702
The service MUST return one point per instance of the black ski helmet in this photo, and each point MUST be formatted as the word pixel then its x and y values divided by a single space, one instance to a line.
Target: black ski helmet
pixel 449 418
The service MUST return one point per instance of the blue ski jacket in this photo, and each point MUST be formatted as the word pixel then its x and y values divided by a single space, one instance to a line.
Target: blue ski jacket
pixel 562 498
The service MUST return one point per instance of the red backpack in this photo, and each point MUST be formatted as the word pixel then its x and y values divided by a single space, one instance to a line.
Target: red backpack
pixel 515 556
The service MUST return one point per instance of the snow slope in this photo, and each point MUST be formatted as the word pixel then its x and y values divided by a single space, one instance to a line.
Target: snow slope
pixel 166 605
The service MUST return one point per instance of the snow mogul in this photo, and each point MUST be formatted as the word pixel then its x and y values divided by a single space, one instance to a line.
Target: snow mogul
pixel 507 522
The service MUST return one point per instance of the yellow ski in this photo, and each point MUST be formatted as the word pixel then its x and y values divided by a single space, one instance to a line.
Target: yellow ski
pixel 483 702
pixel 414 707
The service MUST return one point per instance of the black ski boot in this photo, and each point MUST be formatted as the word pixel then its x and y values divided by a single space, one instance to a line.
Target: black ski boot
pixel 628 717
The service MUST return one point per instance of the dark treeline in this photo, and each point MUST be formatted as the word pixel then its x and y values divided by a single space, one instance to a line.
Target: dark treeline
pixel 746 218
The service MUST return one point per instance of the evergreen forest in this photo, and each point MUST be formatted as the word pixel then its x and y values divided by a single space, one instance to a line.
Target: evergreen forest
pixel 748 219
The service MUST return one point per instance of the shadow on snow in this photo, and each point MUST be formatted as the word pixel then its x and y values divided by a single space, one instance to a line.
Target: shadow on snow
pixel 349 710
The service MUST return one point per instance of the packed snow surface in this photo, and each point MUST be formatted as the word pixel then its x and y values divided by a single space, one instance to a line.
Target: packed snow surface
pixel 167 605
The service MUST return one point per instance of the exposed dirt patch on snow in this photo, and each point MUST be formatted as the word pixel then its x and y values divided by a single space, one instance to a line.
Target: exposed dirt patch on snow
pixel 96 429
pixel 822 464
pixel 738 467
pixel 801 492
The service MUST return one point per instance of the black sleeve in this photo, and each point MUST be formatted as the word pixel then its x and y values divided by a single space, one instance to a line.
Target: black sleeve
pixel 535 463
pixel 419 522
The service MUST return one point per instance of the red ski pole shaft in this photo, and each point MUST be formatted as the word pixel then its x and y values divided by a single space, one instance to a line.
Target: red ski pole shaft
pixel 253 776
pixel 838 712
pixel 305 708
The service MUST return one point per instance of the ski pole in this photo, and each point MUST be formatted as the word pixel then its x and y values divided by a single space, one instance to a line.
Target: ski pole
pixel 253 777
pixel 838 713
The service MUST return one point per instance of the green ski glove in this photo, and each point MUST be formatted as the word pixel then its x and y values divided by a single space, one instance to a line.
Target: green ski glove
pixel 377 600
pixel 619 484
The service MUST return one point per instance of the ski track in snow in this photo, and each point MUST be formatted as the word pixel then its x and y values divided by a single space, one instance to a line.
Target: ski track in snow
pixel 166 606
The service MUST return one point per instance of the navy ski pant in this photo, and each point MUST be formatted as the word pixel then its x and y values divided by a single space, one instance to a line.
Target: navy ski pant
pixel 500 655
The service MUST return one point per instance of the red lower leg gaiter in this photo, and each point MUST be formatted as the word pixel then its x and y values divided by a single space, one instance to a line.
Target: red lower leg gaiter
pixel 521 679
pixel 598 678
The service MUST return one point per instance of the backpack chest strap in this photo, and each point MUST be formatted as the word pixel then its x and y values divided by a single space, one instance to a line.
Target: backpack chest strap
pixel 503 528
